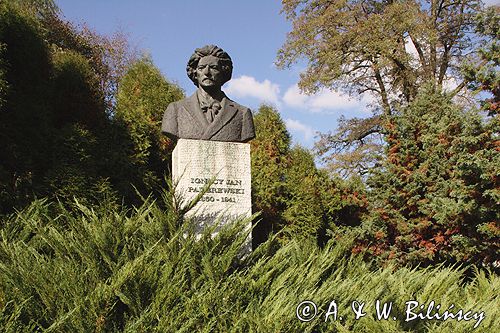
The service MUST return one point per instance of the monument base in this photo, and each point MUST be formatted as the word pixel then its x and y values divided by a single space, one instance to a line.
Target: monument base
pixel 226 165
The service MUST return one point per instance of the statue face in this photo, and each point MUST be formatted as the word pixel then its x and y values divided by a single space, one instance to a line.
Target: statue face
pixel 208 72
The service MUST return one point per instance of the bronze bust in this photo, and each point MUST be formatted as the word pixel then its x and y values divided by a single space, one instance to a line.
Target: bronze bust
pixel 209 114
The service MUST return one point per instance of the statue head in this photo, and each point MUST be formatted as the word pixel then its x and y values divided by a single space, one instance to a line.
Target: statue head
pixel 225 62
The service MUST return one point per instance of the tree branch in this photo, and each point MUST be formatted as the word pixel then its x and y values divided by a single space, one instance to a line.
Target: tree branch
pixel 383 92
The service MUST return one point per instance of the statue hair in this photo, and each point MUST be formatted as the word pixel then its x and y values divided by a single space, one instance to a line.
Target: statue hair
pixel 224 60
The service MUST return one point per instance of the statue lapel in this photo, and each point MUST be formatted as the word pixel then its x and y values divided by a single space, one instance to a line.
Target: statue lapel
pixel 227 113
pixel 192 106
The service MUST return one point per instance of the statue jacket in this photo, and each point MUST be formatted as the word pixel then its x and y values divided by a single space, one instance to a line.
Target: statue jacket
pixel 184 119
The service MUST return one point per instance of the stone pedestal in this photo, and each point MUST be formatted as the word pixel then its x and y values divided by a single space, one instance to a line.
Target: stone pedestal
pixel 196 162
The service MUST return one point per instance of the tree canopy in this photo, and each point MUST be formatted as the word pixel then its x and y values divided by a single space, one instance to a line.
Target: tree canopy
pixel 388 49
pixel 80 117
pixel 61 131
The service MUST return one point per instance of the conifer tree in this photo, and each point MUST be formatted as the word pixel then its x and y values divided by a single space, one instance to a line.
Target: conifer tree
pixel 78 116
pixel 436 199
pixel 304 212
pixel 142 98
pixel 57 93
pixel 270 159
pixel 482 72
pixel 293 196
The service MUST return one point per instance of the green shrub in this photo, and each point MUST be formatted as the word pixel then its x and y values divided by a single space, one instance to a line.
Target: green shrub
pixel 103 269
pixel 436 198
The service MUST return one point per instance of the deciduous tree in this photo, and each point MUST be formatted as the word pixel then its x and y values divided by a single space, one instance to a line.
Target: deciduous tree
pixel 384 48
pixel 482 72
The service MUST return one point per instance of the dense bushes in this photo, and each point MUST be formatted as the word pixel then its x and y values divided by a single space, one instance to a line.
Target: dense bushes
pixel 107 269
pixel 436 198
pixel 290 192
pixel 25 134
pixel 141 100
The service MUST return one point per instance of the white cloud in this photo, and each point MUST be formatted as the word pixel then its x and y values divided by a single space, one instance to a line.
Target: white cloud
pixel 297 127
pixel 327 99
pixel 293 97
pixel 450 84
pixel 248 86
pixel 324 101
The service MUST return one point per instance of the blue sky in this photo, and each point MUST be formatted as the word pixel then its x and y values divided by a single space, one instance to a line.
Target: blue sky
pixel 250 31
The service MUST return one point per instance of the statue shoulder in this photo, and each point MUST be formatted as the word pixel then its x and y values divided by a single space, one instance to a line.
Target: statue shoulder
pixel 185 102
pixel 176 104
pixel 241 108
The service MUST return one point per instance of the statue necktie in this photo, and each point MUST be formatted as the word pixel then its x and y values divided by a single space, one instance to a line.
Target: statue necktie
pixel 210 109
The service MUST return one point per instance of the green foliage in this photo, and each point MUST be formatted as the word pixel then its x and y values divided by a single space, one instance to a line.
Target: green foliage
pixel 37 7
pixel 316 203
pixel 361 45
pixel 3 83
pixel 436 199
pixel 387 49
pixel 304 212
pixel 353 149
pixel 77 97
pixel 57 130
pixel 76 172
pixel 269 153
pixel 25 130
pixel 142 98
pixel 108 56
pixel 482 73
pixel 106 269
pixel 4 192
pixel 78 119
pixel 291 194
pixel 434 196
pixel 52 119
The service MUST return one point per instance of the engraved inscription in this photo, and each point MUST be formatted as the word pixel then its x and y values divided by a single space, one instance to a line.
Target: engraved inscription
pixel 225 166
pixel 221 190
